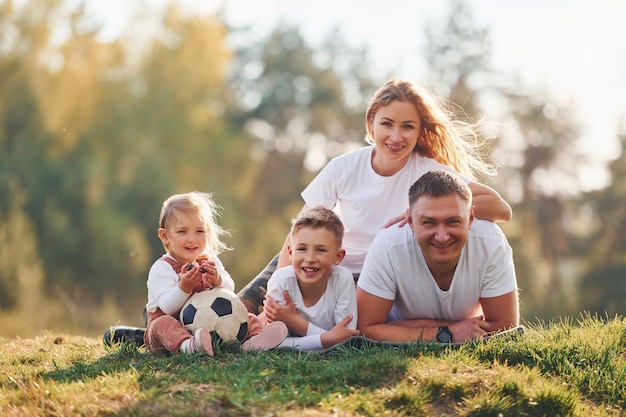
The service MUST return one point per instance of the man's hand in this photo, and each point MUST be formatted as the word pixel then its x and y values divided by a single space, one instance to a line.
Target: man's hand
pixel 339 333
pixel 470 329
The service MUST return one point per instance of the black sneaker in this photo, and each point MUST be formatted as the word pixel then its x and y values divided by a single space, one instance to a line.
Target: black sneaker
pixel 121 334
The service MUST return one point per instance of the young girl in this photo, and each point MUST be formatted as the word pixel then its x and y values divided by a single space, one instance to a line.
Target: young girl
pixel 314 296
pixel 411 131
pixel 191 238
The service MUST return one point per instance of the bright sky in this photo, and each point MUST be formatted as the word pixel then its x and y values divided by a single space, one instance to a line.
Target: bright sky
pixel 574 49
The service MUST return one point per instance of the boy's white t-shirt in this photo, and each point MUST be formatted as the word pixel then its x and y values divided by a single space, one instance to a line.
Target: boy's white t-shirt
pixel 337 302
pixel 363 199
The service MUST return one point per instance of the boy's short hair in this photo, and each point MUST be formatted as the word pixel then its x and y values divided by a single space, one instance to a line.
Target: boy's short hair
pixel 439 183
pixel 318 217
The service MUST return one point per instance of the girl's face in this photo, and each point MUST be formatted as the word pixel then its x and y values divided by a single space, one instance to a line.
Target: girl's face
pixel 185 235
pixel 395 129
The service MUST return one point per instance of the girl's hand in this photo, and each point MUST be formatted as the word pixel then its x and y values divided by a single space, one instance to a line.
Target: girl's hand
pixel 210 272
pixel 190 276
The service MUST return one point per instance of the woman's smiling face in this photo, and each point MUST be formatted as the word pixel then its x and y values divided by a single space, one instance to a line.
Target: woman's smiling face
pixel 395 129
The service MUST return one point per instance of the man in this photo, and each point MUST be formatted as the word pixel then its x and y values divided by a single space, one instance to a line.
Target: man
pixel 447 278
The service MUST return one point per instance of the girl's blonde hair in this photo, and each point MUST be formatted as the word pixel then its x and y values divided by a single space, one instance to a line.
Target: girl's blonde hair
pixel 196 203
pixel 444 138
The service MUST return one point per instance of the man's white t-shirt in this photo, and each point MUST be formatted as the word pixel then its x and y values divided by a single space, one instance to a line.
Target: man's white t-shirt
pixel 395 269
pixel 337 302
pixel 363 199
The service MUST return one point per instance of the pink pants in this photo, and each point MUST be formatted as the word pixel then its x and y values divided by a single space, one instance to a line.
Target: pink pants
pixel 166 333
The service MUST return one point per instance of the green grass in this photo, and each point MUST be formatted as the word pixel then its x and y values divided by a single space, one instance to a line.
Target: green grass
pixel 565 368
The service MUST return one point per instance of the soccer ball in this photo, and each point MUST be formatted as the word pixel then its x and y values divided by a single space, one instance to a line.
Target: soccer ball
pixel 218 310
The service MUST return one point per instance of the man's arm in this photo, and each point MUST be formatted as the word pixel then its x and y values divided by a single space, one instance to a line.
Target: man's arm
pixel 501 313
pixel 372 317
pixel 373 312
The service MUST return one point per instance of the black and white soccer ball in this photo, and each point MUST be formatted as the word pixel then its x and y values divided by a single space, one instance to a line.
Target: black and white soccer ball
pixel 218 310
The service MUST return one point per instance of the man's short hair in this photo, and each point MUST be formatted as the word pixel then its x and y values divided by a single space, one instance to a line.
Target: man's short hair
pixel 439 183
pixel 320 217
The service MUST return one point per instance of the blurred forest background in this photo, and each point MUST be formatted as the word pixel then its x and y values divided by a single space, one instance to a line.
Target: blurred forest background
pixel 95 135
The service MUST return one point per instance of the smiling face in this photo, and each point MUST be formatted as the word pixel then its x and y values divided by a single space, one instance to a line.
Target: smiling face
pixel 313 253
pixel 441 225
pixel 184 236
pixel 395 129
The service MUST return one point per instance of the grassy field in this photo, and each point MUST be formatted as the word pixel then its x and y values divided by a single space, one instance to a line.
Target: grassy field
pixel 565 368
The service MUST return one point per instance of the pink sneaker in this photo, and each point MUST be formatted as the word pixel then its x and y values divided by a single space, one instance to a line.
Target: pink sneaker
pixel 269 338
pixel 202 342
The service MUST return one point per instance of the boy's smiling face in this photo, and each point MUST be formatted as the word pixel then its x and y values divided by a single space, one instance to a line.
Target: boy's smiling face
pixel 313 253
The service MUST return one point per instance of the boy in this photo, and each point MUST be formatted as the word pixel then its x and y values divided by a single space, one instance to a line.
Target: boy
pixel 314 296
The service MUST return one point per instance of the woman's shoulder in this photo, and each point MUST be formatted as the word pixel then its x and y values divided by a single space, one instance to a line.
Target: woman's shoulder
pixel 363 152
pixel 421 160
pixel 420 164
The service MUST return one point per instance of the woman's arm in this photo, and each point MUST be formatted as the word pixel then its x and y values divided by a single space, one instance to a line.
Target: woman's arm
pixel 488 204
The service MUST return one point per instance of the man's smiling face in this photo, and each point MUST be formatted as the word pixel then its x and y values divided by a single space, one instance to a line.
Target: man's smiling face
pixel 441 226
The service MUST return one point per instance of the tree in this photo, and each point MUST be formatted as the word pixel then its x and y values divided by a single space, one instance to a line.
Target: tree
pixel 299 106
pixel 603 286
pixel 535 152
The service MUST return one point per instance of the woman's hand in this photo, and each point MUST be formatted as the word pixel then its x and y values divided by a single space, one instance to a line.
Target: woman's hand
pixel 401 220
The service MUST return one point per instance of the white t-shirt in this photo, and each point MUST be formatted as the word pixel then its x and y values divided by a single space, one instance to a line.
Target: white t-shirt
pixel 337 302
pixel 395 269
pixel 163 289
pixel 363 199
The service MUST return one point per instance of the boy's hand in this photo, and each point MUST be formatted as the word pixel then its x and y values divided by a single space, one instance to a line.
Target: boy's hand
pixel 286 313
pixel 190 276
pixel 339 333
